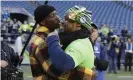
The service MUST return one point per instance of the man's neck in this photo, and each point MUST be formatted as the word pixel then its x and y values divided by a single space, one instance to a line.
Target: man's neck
pixel 50 30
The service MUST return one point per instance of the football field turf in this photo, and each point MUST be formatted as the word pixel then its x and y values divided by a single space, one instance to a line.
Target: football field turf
pixel 121 75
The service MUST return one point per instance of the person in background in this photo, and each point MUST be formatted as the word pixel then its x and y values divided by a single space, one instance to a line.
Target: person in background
pixel 121 53
pixel 124 33
pixel 128 55
pixel 104 30
pixel 24 31
pixel 25 27
pixel 5 15
pixel 113 50
pixel 8 57
pixel 109 35
pixel 101 62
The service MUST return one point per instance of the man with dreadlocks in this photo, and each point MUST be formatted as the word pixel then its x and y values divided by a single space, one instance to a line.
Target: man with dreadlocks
pixel 77 61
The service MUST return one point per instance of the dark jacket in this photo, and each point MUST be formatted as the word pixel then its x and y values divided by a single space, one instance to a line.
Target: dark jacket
pixel 8 54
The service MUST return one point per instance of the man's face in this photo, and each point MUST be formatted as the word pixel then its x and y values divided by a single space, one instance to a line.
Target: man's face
pixel 94 34
pixel 52 21
pixel 68 25
pixel 129 40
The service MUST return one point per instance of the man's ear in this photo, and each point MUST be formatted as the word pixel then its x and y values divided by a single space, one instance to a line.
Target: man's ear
pixel 43 22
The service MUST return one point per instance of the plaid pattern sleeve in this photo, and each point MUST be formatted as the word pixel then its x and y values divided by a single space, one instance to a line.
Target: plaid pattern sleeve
pixel 39 58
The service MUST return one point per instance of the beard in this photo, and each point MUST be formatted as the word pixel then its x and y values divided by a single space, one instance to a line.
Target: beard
pixel 53 27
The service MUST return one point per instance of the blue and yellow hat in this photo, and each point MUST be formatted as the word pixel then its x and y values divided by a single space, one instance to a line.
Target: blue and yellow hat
pixel 80 15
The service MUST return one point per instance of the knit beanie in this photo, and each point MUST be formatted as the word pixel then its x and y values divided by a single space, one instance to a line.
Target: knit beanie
pixel 42 12
pixel 81 15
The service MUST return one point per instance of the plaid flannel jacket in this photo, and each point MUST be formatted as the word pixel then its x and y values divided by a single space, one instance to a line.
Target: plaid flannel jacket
pixel 41 66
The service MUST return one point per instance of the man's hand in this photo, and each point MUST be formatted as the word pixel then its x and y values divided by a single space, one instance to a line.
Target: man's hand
pixel 3 63
pixel 55 32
